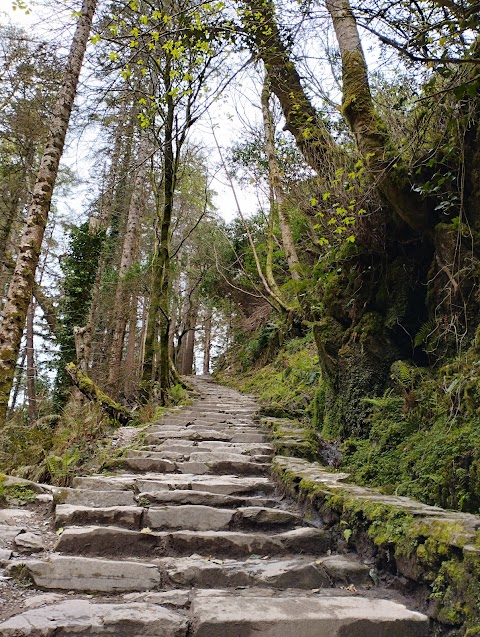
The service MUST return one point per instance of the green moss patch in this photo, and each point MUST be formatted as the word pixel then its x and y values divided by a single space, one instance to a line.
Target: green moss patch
pixel 292 438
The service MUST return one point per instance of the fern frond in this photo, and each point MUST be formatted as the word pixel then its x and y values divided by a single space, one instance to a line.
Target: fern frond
pixel 425 331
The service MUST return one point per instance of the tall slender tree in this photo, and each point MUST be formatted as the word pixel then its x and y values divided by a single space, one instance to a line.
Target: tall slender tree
pixel 21 286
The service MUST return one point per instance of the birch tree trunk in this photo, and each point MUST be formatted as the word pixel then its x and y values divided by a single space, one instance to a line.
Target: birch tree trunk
pixel 30 244
pixel 31 371
pixel 120 307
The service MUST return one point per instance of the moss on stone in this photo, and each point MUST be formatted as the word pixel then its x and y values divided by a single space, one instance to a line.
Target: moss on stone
pixel 425 550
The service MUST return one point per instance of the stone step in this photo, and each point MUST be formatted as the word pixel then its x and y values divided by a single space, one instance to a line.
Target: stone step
pixel 113 541
pixel 141 464
pixel 185 496
pixel 187 446
pixel 220 467
pixel 193 454
pixel 297 572
pixel 321 616
pixel 104 483
pixel 129 517
pixel 188 517
pixel 226 484
pixel 89 618
pixel 87 574
pixel 60 572
pixel 205 435
pixel 219 422
pixel 205 518
pixel 91 498
pixel 184 434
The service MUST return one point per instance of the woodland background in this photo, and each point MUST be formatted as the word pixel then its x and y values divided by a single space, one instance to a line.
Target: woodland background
pixel 347 297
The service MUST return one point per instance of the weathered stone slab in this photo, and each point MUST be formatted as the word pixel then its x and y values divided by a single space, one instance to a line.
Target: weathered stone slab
pixel 87 618
pixel 147 464
pixel 192 517
pixel 248 437
pixel 195 571
pixel 230 485
pixel 344 570
pixel 94 498
pixel 219 467
pixel 74 514
pixel 9 533
pixel 304 617
pixel 226 485
pixel 14 517
pixel 113 541
pixel 187 496
pixel 109 541
pixel 237 544
pixel 257 516
pixel 157 455
pixel 105 483
pixel 87 574
pixel 29 542
pixel 185 434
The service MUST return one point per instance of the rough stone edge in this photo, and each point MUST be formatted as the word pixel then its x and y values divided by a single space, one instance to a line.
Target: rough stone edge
pixel 437 560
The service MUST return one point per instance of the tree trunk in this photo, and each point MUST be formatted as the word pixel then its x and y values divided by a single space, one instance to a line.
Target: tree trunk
pixel 157 358
pixel 130 376
pixel 186 353
pixel 207 344
pixel 276 185
pixel 114 207
pixel 130 241
pixel 301 117
pixel 88 388
pixel 13 212
pixel 47 307
pixel 358 110
pixel 31 371
pixel 30 244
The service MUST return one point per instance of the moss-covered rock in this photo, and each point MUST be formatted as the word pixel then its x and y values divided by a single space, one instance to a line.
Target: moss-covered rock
pixel 428 546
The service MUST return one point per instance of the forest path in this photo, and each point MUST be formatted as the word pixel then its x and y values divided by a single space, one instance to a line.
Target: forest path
pixel 190 537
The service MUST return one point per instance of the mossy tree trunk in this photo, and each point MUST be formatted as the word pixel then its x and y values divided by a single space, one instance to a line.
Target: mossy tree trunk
pixel 207 343
pixel 31 367
pixel 301 117
pixel 157 364
pixel 30 244
pixel 370 135
pixel 88 388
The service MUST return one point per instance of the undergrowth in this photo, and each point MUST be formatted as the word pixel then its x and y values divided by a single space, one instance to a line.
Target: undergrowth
pixel 285 386
pixel 56 448
pixel 425 442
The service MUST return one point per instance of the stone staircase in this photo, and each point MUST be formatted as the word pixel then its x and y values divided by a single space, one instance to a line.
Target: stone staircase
pixel 189 537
